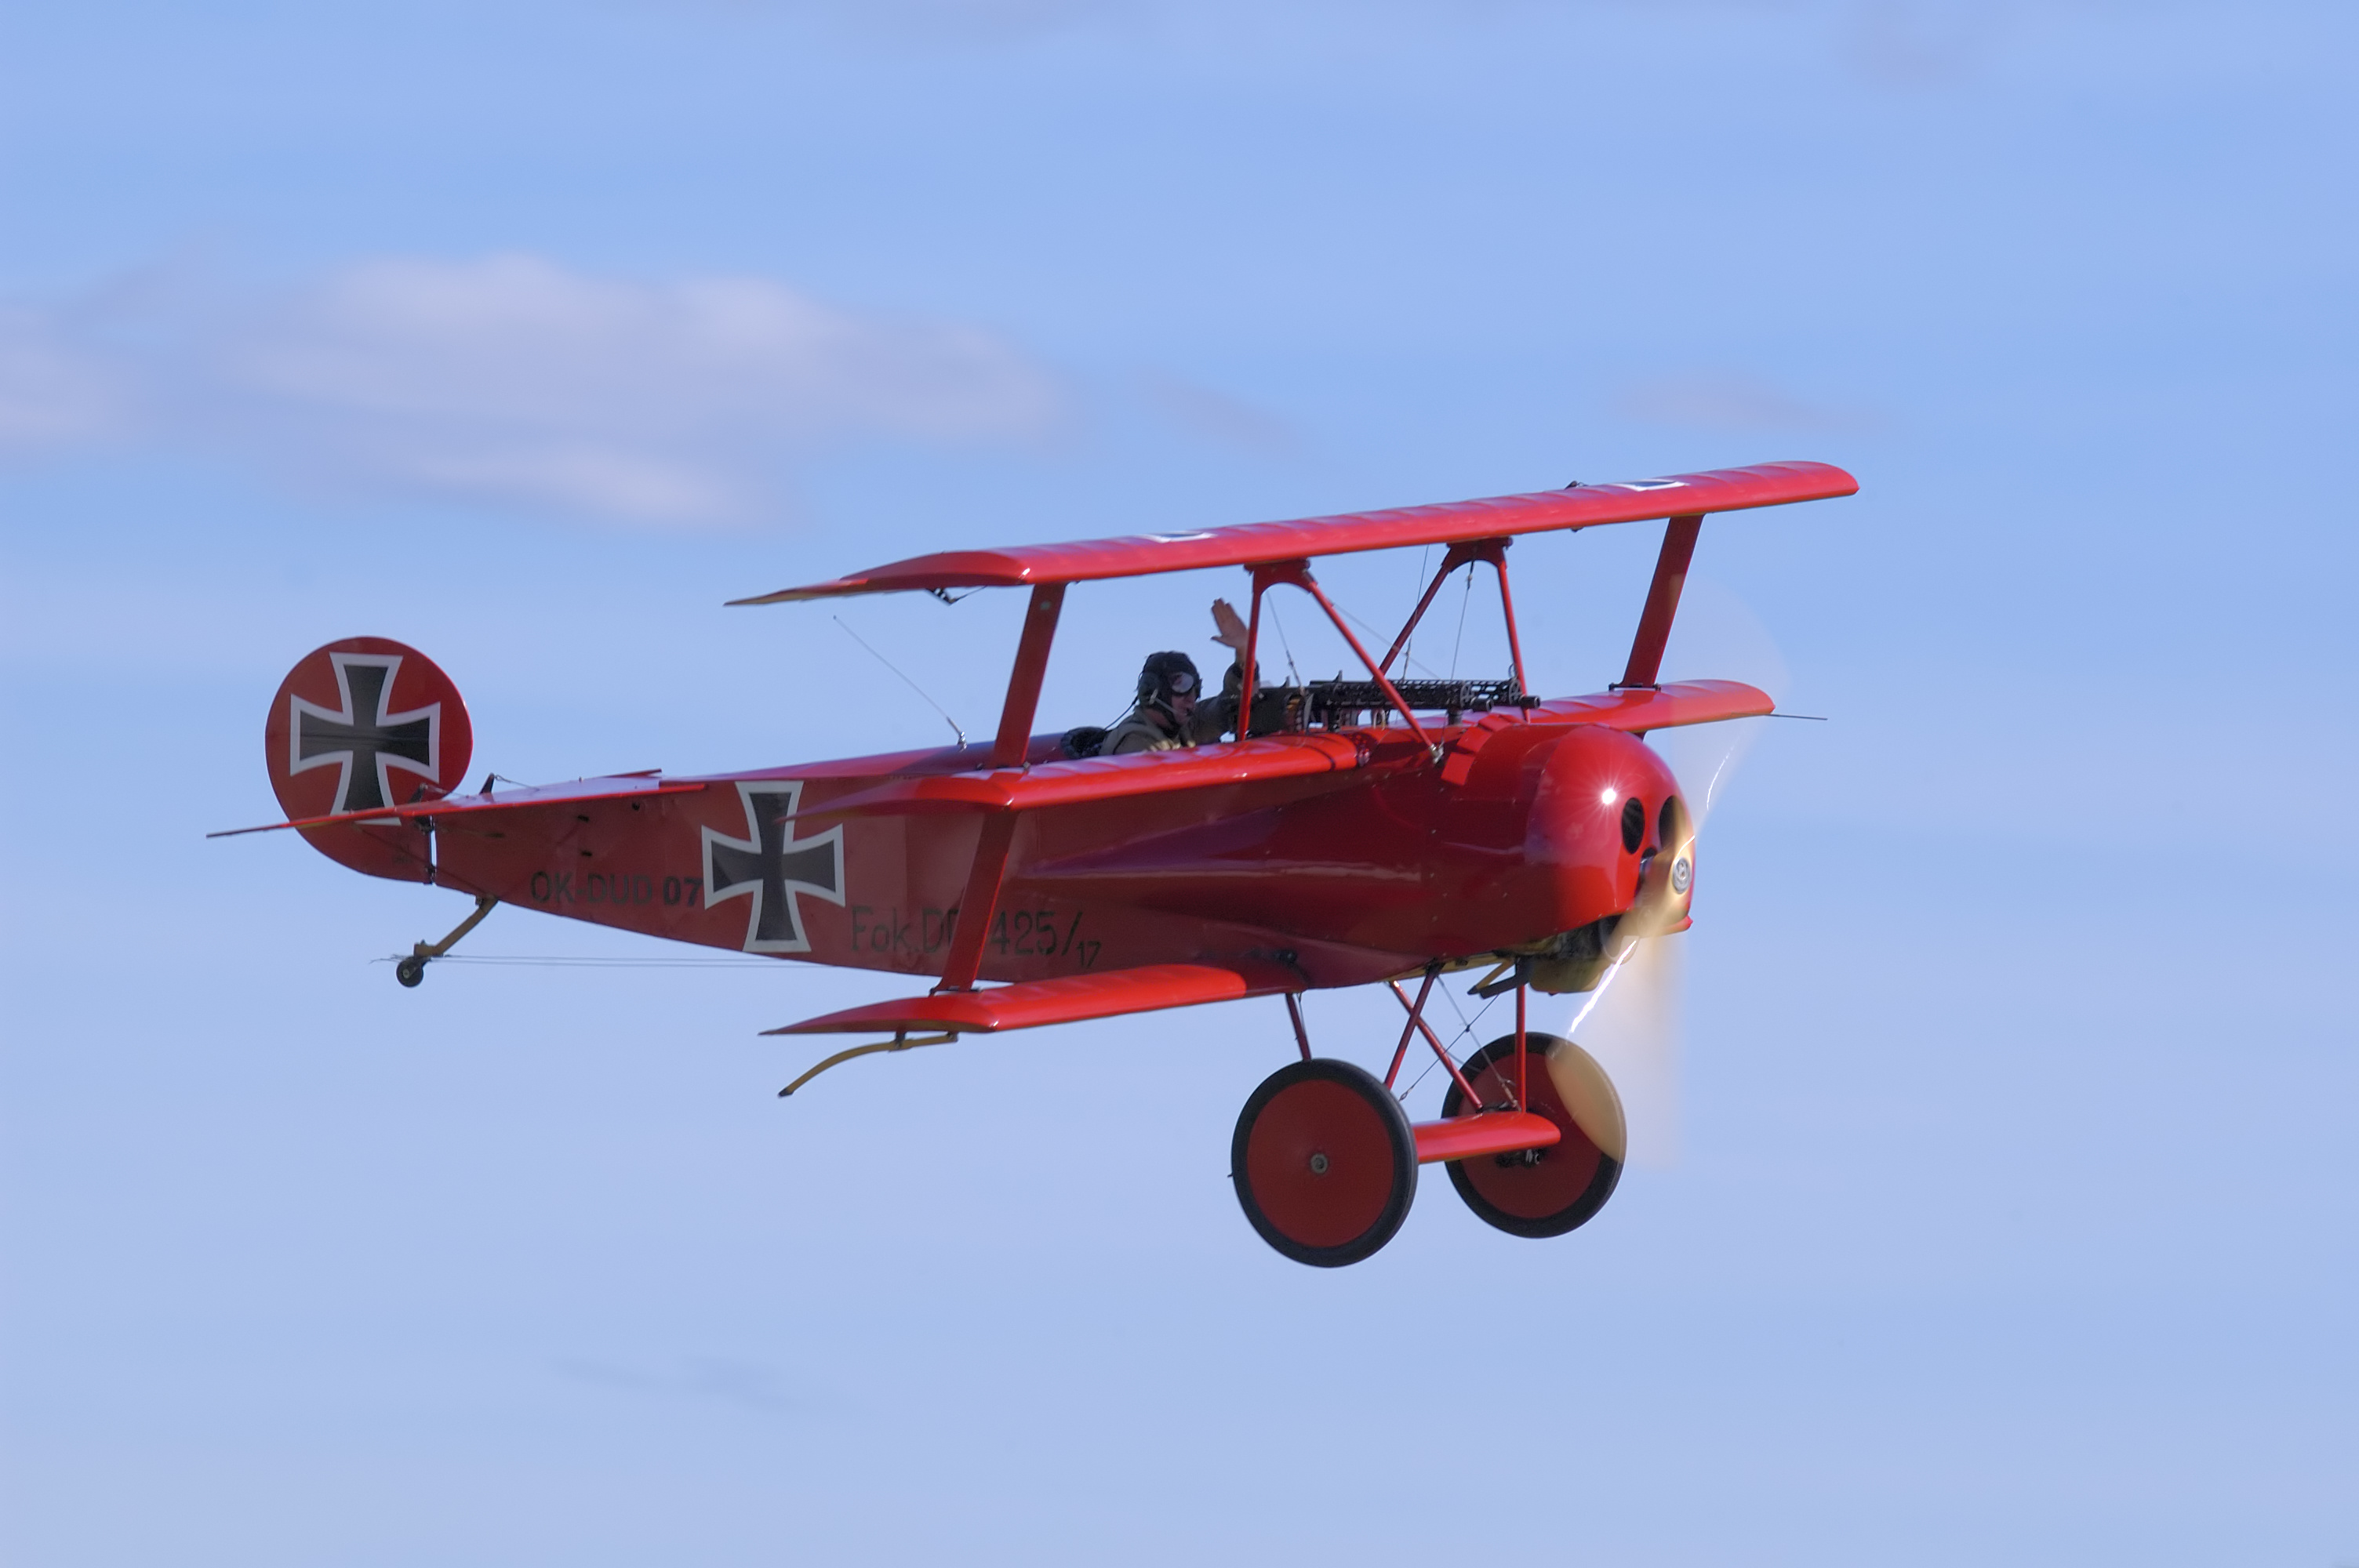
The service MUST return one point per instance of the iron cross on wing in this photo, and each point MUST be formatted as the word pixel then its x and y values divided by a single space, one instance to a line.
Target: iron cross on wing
pixel 364 739
pixel 771 866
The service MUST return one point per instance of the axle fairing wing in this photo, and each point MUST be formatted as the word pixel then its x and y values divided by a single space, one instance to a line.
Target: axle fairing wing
pixel 1257 544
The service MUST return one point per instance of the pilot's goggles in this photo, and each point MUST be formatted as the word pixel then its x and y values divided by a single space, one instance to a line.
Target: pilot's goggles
pixel 1181 684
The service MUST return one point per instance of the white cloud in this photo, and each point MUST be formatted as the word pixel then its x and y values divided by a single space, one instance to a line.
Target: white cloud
pixel 1721 401
pixel 580 477
pixel 512 379
pixel 1217 417
pixel 51 393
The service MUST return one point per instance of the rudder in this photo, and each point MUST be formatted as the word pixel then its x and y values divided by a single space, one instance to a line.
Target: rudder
pixel 361 723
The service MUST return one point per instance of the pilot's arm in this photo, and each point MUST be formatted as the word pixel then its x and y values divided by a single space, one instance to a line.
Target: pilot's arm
pixel 1216 717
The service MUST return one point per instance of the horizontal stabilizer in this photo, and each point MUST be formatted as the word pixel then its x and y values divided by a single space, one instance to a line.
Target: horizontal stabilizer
pixel 1101 778
pixel 1068 999
pixel 619 787
pixel 1260 544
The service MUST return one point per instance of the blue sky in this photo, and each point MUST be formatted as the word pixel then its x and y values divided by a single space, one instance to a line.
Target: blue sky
pixel 2013 1205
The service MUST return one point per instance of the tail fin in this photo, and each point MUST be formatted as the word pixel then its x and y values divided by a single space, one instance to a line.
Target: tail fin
pixel 362 723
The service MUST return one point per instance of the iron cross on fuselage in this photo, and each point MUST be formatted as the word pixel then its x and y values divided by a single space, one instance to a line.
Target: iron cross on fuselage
pixel 364 740
pixel 772 866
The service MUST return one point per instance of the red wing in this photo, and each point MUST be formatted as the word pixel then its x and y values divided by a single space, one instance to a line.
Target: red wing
pixel 616 788
pixel 1269 756
pixel 1068 999
pixel 1634 711
pixel 1141 554
pixel 1660 708
pixel 1100 778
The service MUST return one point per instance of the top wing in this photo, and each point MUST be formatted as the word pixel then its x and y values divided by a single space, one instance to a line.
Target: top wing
pixel 1254 544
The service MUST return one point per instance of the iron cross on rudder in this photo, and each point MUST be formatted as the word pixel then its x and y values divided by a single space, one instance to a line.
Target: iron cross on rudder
pixel 364 739
pixel 772 866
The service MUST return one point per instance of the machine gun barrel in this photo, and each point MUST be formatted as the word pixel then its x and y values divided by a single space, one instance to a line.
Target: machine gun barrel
pixel 1334 704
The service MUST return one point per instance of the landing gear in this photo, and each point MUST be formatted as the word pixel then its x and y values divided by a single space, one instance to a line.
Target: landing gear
pixel 411 970
pixel 1324 1162
pixel 1543 1192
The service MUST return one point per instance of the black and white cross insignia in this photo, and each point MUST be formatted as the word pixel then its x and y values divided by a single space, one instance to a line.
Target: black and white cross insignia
pixel 771 866
pixel 365 740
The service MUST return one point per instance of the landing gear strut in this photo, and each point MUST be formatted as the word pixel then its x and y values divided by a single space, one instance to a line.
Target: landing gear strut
pixel 1325 1159
pixel 412 970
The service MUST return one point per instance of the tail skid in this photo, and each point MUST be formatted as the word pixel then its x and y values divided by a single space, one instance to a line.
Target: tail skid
pixel 412 970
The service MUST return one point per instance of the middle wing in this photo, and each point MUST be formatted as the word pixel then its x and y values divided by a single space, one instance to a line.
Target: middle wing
pixel 1101 778
pixel 1270 756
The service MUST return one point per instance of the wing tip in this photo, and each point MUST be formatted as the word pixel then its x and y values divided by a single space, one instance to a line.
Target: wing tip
pixel 838 588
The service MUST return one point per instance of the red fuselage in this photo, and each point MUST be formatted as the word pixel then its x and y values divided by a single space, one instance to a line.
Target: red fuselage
pixel 1346 876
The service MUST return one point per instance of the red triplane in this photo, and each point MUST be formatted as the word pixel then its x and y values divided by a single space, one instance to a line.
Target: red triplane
pixel 1355 833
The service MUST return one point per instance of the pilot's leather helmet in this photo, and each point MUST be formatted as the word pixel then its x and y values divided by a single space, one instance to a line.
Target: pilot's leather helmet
pixel 1169 674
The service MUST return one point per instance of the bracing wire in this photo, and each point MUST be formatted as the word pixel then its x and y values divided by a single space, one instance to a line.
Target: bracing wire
pixel 1423 556
pixel 913 685
pixel 1279 622
pixel 1343 609
pixel 1465 1029
pixel 1376 632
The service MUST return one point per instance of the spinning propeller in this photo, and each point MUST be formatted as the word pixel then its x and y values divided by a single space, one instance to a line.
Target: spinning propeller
pixel 1630 1023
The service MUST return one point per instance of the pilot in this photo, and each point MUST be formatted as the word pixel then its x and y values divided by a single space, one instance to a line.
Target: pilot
pixel 1164 715
pixel 1172 711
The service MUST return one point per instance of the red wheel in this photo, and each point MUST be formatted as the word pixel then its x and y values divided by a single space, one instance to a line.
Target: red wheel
pixel 1324 1162
pixel 1543 1192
